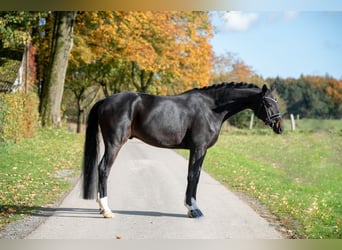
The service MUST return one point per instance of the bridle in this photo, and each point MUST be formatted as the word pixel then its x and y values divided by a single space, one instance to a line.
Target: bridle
pixel 270 119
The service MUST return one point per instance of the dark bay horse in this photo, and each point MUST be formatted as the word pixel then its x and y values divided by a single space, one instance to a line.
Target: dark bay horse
pixel 191 120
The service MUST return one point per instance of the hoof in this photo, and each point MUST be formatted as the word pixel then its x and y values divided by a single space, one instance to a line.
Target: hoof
pixel 196 213
pixel 107 214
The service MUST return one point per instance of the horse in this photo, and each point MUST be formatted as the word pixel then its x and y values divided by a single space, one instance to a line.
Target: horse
pixel 191 120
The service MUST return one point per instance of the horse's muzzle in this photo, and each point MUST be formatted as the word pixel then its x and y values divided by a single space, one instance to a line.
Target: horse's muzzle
pixel 278 126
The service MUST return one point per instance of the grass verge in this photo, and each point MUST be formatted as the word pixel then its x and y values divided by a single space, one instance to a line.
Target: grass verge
pixel 297 176
pixel 37 172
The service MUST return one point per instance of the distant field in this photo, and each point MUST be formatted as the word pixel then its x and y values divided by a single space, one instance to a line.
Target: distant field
pixel 297 175
pixel 316 125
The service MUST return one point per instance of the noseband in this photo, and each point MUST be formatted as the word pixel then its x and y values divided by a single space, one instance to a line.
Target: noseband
pixel 271 119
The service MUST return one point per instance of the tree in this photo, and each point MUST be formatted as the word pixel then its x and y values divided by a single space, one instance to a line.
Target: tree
pixel 18 34
pixel 334 89
pixel 151 51
pixel 229 68
pixel 52 92
pixel 310 96
pixel 18 27
pixel 81 84
pixel 155 52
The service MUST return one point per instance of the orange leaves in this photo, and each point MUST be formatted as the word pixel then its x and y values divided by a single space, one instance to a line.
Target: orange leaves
pixel 229 68
pixel 332 86
pixel 334 90
pixel 173 46
pixel 242 71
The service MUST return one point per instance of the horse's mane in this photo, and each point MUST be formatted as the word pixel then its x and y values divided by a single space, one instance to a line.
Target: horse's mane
pixel 225 85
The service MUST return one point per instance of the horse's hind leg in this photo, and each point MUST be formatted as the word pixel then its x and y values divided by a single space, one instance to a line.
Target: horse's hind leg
pixel 111 150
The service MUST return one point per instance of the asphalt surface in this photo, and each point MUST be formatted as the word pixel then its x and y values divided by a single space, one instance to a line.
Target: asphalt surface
pixel 146 194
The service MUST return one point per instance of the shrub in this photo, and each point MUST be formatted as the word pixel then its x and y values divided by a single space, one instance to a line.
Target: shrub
pixel 18 116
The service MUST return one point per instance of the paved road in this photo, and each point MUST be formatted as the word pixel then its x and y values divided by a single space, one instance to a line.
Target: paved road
pixel 146 193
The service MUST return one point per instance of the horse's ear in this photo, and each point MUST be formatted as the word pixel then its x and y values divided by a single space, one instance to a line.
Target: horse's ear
pixel 264 89
pixel 273 87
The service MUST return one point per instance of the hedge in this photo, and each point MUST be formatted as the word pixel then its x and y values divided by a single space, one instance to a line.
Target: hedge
pixel 18 116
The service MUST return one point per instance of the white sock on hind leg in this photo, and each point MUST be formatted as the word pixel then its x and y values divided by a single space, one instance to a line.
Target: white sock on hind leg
pixel 104 204
pixel 106 212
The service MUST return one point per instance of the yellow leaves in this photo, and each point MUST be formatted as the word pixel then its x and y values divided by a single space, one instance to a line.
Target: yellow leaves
pixel 332 86
pixel 229 68
pixel 81 52
pixel 18 116
pixel 334 90
pixel 173 45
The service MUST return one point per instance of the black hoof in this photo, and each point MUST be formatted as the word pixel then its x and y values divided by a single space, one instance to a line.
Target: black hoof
pixel 196 213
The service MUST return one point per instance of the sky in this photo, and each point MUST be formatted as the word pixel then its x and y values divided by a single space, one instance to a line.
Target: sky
pixel 282 43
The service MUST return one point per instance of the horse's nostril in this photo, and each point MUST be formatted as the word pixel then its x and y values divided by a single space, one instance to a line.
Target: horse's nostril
pixel 280 126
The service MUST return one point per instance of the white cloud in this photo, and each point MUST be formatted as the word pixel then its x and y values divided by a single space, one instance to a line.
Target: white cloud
pixel 238 21
pixel 289 15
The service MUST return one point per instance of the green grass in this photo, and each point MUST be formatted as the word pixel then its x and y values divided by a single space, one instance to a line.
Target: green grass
pixel 30 171
pixel 296 175
pixel 318 125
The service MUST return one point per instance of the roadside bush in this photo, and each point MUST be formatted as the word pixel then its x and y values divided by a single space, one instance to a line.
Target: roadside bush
pixel 18 116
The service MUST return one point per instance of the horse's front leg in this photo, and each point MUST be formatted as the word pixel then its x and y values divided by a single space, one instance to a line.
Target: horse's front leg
pixel 194 171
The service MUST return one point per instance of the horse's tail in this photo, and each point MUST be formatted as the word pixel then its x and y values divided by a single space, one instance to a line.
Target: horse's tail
pixel 90 157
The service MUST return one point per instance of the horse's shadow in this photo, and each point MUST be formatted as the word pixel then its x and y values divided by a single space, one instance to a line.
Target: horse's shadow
pixel 149 213
pixel 37 211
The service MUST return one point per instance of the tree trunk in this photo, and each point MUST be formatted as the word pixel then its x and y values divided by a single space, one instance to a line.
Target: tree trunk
pixel 50 107
pixel 141 79
pixel 80 110
pixel 79 118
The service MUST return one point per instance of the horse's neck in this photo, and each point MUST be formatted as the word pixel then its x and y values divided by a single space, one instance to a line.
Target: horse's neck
pixel 234 101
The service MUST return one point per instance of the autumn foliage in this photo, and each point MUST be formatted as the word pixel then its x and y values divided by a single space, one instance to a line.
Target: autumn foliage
pixel 18 116
pixel 311 96
pixel 230 68
pixel 307 96
pixel 157 52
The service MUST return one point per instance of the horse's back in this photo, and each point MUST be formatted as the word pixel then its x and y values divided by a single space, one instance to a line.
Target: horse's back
pixel 121 98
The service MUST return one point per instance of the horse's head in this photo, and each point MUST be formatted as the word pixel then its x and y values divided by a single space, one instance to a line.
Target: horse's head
pixel 268 111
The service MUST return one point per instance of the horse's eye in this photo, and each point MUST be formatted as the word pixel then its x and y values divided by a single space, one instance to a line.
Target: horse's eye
pixel 267 104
